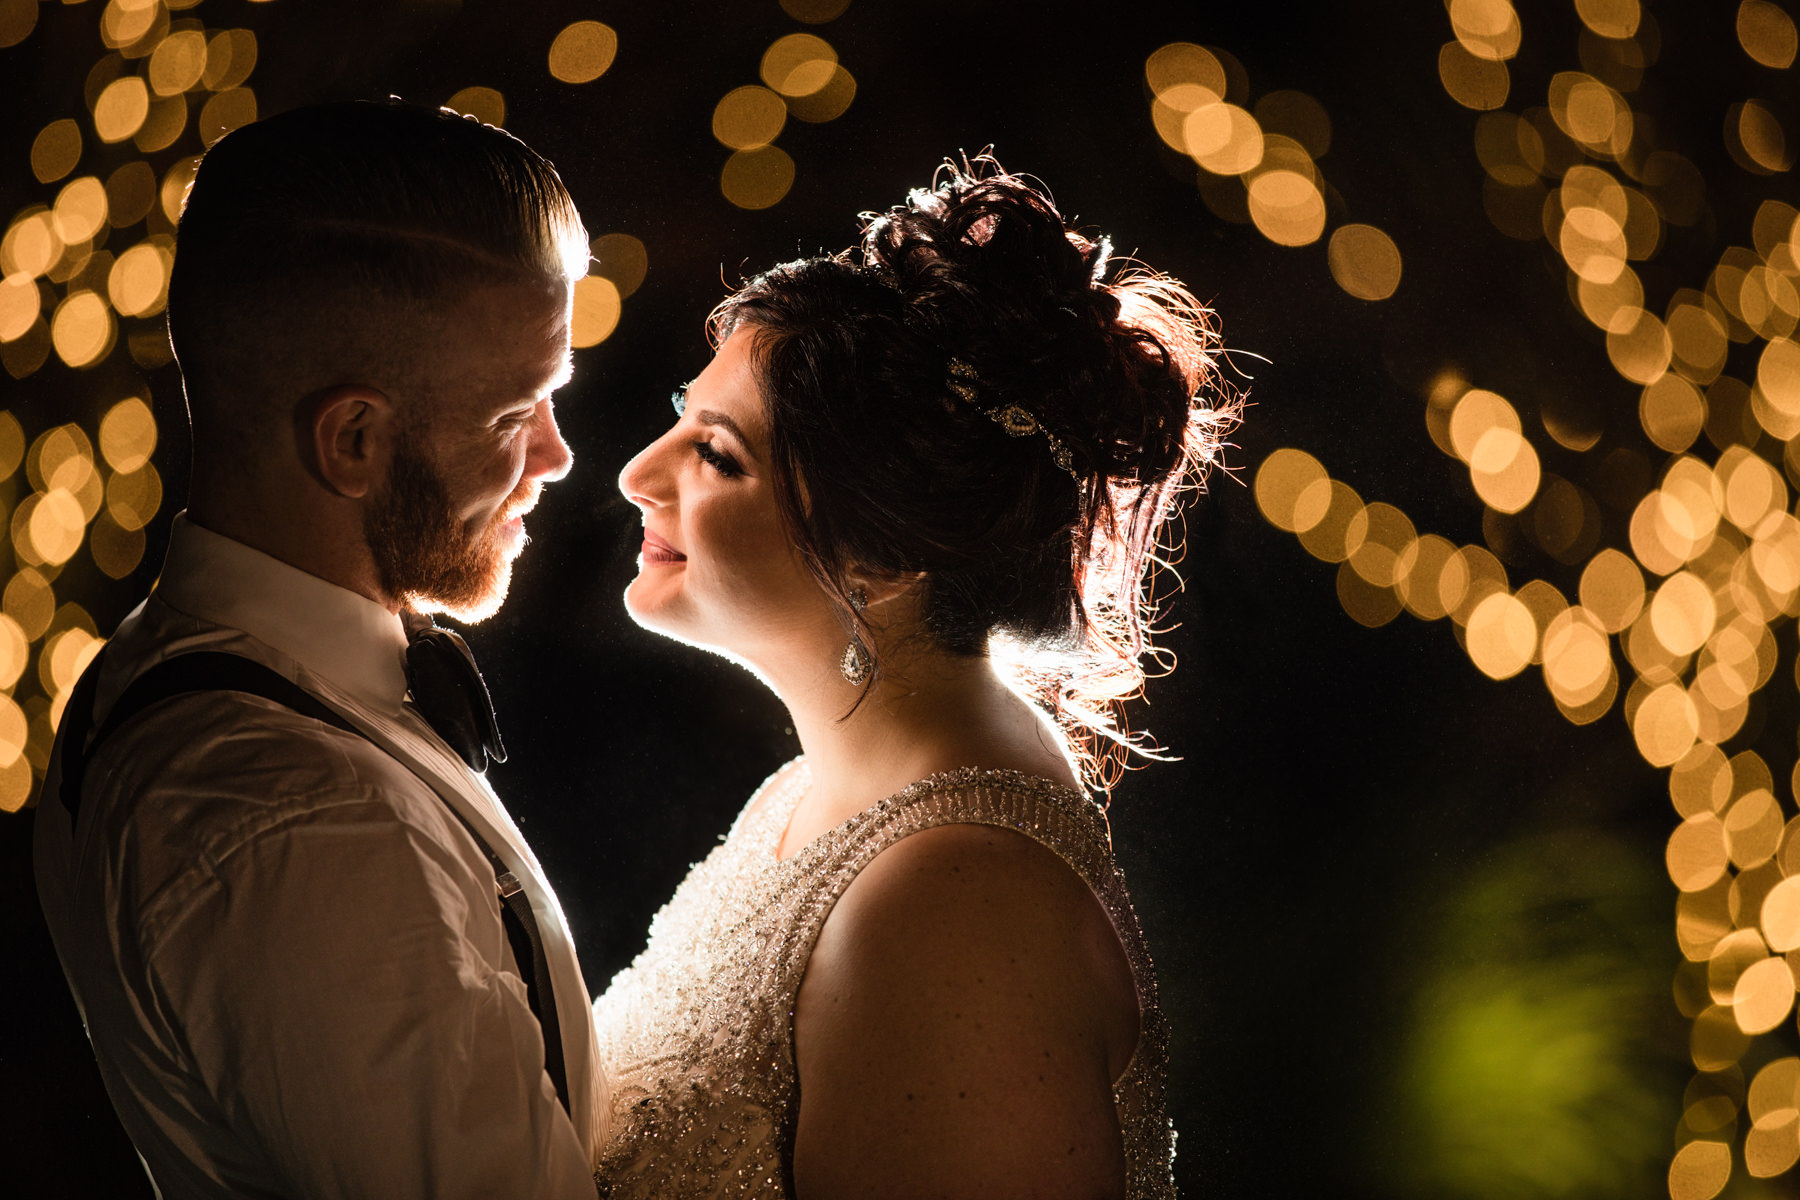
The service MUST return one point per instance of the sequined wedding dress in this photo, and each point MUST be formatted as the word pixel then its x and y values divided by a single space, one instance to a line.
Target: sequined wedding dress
pixel 697 1034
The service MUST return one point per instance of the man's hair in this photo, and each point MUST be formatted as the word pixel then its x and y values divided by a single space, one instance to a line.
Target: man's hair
pixel 306 232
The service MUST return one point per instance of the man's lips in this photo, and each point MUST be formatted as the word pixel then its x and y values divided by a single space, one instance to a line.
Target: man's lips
pixel 658 551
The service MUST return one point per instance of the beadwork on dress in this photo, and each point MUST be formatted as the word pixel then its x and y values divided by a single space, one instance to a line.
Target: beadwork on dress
pixel 697 1034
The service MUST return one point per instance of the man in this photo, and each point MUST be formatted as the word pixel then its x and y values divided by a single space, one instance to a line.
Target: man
pixel 291 915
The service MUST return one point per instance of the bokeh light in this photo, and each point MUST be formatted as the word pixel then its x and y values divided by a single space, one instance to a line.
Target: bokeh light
pixel 485 104
pixel 583 51
pixel 757 178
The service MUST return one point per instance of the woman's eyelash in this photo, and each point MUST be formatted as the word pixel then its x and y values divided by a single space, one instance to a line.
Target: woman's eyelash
pixel 721 463
pixel 679 399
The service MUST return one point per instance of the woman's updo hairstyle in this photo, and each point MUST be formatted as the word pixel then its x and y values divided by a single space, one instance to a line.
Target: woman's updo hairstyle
pixel 973 400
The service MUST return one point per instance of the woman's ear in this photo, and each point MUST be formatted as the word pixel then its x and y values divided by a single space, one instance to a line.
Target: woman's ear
pixel 885 589
pixel 350 432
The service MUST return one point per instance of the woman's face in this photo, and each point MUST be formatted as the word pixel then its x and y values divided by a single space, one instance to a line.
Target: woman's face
pixel 717 568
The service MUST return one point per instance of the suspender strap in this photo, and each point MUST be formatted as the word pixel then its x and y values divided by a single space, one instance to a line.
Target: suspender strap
pixel 218 671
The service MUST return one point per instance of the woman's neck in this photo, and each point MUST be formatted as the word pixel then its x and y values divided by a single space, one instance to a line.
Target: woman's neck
pixel 929 712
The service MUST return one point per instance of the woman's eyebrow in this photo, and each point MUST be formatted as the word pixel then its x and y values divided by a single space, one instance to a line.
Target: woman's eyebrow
pixel 708 416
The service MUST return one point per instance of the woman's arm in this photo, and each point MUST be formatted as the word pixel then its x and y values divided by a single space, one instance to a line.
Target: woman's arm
pixel 965 1012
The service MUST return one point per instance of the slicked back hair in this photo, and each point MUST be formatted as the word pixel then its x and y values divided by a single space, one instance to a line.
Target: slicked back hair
pixel 357 207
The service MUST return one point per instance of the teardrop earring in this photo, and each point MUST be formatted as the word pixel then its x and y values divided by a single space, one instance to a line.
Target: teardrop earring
pixel 855 662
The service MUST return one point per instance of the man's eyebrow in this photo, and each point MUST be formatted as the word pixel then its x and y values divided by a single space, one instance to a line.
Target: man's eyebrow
pixel 707 416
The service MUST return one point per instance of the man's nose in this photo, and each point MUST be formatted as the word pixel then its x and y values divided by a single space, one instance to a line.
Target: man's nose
pixel 549 457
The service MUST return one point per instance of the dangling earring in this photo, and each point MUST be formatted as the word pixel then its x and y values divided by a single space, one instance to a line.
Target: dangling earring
pixel 856 664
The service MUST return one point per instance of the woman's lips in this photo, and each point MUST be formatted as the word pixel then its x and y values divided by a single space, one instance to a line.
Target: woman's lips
pixel 658 551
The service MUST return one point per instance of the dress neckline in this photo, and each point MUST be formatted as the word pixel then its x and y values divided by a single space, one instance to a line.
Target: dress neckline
pixel 799 784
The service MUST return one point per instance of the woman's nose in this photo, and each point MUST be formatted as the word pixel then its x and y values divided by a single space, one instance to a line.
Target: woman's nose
pixel 641 482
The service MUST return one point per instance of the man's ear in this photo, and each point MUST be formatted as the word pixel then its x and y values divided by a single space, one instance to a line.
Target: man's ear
pixel 351 431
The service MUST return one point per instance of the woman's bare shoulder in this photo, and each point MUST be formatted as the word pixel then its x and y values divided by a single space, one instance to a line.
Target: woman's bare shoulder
pixel 964 1014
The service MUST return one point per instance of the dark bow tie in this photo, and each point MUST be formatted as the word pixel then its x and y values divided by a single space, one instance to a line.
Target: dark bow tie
pixel 449 692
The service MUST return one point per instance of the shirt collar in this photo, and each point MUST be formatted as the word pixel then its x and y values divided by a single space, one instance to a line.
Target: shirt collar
pixel 348 639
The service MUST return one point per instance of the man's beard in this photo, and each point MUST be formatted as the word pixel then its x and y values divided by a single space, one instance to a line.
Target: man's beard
pixel 424 556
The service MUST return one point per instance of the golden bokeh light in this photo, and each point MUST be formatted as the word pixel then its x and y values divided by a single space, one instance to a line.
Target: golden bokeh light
pixel 121 109
pixel 15 652
pixel 12 444
pixel 1756 139
pixel 230 57
pixel 1577 658
pixel 1639 346
pixel 1700 1169
pixel 1698 341
pixel 1610 18
pixel 1610 304
pixel 30 246
pixel 56 150
pixel 623 259
pixel 127 435
pixel 1287 208
pixel 1486 28
pixel 20 304
pixel 1327 538
pixel 17 19
pixel 30 602
pixel 1683 613
pixel 1419 575
pixel 178 62
pixel 829 102
pixel 1364 261
pixel 1377 537
pixel 172 193
pixel 748 118
pixel 1184 63
pixel 1292 490
pixel 80 210
pixel 13 731
pixel 1753 487
pixel 1735 954
pixel 1502 637
pixel 798 64
pixel 1779 918
pixel 1223 138
pixel 1473 81
pixel 1753 828
pixel 1504 469
pixel 1366 603
pixel 1773 1144
pixel 759 178
pixel 1592 241
pixel 1612 590
pixel 57 525
pixel 138 283
pixel 1762 999
pixel 597 311
pixel 1767 34
pixel 1696 856
pixel 1474 415
pixel 82 329
pixel 130 193
pixel 485 104
pixel 133 497
pixel 236 108
pixel 1672 412
pixel 583 51
pixel 814 12
pixel 1294 115
pixel 1665 726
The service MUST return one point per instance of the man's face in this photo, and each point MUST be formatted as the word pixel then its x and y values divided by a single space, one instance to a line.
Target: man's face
pixel 476 444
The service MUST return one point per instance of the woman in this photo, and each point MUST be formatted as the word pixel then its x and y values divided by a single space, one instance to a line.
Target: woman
pixel 912 968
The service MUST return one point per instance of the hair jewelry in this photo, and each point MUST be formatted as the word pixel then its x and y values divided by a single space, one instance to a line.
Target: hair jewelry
pixel 1016 419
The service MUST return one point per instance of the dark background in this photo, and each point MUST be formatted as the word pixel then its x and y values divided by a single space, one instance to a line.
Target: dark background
pixel 1412 927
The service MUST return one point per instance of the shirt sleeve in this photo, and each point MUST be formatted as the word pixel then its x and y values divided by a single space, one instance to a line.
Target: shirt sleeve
pixel 342 984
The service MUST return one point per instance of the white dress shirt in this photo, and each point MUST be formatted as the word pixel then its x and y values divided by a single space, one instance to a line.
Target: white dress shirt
pixel 288 954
